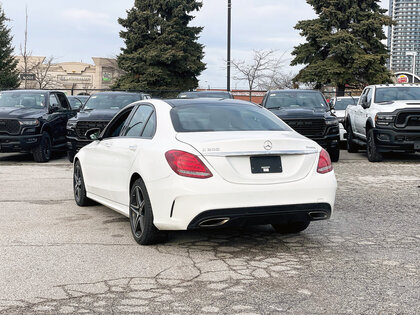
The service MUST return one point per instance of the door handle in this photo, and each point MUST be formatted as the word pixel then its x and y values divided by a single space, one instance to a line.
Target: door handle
pixel 107 144
pixel 132 147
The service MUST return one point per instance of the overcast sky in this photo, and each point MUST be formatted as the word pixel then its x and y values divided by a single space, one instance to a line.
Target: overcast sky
pixel 77 30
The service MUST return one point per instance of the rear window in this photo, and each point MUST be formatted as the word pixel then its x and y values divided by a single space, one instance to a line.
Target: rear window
pixel 209 117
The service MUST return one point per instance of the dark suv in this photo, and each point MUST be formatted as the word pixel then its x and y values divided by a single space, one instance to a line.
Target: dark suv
pixel 34 121
pixel 97 112
pixel 307 112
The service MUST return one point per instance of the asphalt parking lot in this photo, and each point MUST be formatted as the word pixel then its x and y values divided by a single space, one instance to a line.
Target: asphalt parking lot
pixel 59 258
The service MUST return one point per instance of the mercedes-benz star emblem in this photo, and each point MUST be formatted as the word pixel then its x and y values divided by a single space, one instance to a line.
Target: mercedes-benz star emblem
pixel 268 145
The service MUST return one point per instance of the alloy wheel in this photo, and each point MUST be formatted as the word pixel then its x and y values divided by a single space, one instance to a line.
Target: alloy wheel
pixel 137 211
pixel 77 181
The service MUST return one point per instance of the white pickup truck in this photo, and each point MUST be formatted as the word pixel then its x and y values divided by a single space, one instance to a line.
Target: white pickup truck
pixel 385 119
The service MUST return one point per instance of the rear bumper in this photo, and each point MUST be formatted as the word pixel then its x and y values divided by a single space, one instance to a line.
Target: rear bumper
pixel 19 143
pixel 261 215
pixel 391 140
pixel 181 203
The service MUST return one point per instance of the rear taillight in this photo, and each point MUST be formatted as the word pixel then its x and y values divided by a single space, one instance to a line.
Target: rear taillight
pixel 324 162
pixel 187 164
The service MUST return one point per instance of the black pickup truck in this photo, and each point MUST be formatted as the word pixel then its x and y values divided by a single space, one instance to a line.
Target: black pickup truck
pixel 308 113
pixel 97 112
pixel 34 121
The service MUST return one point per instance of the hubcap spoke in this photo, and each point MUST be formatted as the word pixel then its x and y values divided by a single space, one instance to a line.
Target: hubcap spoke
pixel 137 207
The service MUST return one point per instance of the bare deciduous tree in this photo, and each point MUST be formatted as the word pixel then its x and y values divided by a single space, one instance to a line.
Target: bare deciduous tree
pixel 38 66
pixel 253 72
pixel 41 70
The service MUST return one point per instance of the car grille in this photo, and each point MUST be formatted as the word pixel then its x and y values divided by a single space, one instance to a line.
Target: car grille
pixel 83 126
pixel 9 126
pixel 408 119
pixel 307 127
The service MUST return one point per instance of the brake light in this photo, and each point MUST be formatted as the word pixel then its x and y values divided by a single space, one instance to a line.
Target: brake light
pixel 324 162
pixel 187 164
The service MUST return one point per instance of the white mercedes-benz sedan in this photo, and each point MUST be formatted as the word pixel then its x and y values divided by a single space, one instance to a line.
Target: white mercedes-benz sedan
pixel 204 163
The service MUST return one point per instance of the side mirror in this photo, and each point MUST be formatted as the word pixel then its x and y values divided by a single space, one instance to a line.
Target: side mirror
pixel 331 105
pixel 364 102
pixel 93 134
pixel 54 108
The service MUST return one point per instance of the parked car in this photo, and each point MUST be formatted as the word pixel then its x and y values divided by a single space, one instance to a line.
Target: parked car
pixel 34 121
pixel 77 102
pixel 189 164
pixel 99 109
pixel 386 119
pixel 340 104
pixel 307 112
pixel 206 94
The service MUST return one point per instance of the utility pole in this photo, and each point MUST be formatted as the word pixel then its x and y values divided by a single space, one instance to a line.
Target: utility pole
pixel 228 42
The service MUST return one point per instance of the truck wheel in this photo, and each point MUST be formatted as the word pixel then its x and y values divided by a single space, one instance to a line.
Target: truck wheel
pixel 334 154
pixel 372 152
pixel 292 227
pixel 70 155
pixel 351 146
pixel 42 153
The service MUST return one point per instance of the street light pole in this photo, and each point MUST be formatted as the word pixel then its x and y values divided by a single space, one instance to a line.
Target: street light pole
pixel 228 42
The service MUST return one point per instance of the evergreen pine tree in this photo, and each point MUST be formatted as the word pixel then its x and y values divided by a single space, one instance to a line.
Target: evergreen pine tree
pixel 343 45
pixel 9 77
pixel 161 51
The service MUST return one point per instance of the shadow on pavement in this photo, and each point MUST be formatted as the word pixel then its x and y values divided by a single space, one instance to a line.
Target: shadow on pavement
pixel 27 157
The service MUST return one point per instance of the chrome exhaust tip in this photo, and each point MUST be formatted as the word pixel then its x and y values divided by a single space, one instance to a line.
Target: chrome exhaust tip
pixel 318 215
pixel 213 222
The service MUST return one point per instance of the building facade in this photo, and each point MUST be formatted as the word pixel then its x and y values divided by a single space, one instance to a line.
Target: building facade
pixel 404 37
pixel 73 77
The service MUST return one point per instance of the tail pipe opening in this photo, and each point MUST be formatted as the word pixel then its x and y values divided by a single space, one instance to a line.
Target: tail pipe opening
pixel 213 222
pixel 318 215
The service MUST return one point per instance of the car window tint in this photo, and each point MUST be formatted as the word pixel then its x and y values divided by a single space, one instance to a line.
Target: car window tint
pixel 210 117
pixel 63 101
pixel 295 100
pixel 138 121
pixel 341 104
pixel 53 100
pixel 149 129
pixel 369 96
pixel 20 99
pixel 117 125
pixel 389 94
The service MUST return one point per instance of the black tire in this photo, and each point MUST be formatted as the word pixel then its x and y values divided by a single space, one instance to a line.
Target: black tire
pixel 351 146
pixel 372 151
pixel 70 155
pixel 79 189
pixel 141 216
pixel 42 153
pixel 334 154
pixel 291 227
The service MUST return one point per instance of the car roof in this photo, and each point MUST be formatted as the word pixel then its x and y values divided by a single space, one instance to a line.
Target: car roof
pixel 396 85
pixel 200 101
pixel 294 90
pixel 117 92
pixel 31 91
